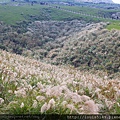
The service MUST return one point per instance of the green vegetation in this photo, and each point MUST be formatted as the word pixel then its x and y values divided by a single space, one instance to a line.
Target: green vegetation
pixel 28 86
pixel 77 43
pixel 12 14
pixel 91 11
pixel 79 72
pixel 105 13
pixel 43 44
pixel 114 25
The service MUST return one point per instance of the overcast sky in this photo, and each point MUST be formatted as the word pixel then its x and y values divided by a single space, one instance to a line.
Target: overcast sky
pixel 116 1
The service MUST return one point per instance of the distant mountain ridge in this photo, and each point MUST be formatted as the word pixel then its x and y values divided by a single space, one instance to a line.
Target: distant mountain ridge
pixel 95 1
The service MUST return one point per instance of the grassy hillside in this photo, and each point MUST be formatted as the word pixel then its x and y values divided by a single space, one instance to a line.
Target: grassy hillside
pixel 82 45
pixel 94 47
pixel 74 66
pixel 29 86
pixel 15 12
pixel 12 14
pixel 114 25
pixel 92 11
pixel 100 14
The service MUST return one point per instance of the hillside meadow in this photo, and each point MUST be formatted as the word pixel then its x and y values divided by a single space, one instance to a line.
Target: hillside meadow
pixel 83 45
pixel 30 86
pixel 57 62
pixel 13 13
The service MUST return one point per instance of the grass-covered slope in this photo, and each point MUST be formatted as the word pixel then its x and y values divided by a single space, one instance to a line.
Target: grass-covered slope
pixel 94 47
pixel 17 12
pixel 114 25
pixel 107 13
pixel 29 86
pixel 11 14
pixel 83 45
pixel 36 35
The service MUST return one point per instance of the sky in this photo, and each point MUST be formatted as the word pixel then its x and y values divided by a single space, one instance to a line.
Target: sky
pixel 116 1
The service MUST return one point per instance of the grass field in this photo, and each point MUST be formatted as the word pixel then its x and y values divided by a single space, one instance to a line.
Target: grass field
pixel 12 14
pixel 29 86
pixel 91 11
pixel 114 25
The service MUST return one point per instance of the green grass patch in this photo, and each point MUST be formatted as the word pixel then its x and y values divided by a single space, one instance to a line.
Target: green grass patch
pixel 91 11
pixel 114 25
pixel 12 14
pixel 57 14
